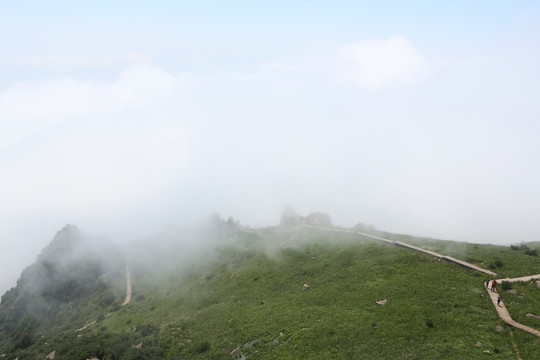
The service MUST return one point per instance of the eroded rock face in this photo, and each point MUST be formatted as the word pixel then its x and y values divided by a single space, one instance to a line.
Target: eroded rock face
pixel 318 219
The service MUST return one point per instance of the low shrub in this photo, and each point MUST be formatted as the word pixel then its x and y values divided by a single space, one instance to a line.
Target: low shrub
pixel 203 347
pixel 507 285
pixel 531 252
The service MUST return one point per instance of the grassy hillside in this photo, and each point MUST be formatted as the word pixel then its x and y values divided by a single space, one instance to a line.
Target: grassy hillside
pixel 248 298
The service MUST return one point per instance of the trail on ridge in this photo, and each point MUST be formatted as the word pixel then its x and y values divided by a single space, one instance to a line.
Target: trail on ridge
pixel 128 286
pixel 501 310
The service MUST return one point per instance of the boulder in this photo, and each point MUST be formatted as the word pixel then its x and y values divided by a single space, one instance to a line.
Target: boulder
pixel 318 219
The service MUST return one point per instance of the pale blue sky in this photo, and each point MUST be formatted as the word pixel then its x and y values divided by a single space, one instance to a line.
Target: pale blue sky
pixel 417 117
pixel 271 29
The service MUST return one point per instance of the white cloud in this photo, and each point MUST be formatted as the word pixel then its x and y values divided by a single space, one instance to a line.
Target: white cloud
pixel 28 107
pixel 74 146
pixel 64 62
pixel 378 63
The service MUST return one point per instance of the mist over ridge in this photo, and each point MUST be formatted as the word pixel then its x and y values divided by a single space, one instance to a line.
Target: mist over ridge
pixel 414 118
pixel 188 279
pixel 184 237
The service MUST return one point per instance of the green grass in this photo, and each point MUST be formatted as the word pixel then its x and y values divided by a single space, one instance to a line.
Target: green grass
pixel 249 297
pixel 433 307
pixel 525 301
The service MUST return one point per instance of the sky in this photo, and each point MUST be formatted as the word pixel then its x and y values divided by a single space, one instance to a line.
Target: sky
pixel 123 118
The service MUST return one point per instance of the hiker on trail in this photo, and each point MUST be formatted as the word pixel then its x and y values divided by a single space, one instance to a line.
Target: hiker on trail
pixel 499 301
pixel 487 284
pixel 493 284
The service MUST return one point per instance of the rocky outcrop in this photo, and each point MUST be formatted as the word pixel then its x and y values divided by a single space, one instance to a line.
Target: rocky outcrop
pixel 318 219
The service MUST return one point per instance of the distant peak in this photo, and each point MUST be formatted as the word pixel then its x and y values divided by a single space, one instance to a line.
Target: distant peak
pixel 63 241
pixel 68 232
pixel 69 229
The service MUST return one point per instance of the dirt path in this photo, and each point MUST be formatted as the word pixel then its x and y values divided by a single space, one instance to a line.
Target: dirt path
pixel 503 311
pixel 128 286
pixel 523 278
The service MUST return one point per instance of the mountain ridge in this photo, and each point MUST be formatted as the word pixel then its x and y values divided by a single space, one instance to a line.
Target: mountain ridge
pixel 256 276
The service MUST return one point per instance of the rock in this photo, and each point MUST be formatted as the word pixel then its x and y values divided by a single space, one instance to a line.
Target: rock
pixel 51 355
pixel 486 351
pixel 281 334
pixel 138 346
pixel 499 328
pixel 538 283
pixel 478 344
pixel 263 302
pixel 251 343
pixel 513 292
pixel 318 219
pixel 382 302
pixel 306 286
pixel 236 352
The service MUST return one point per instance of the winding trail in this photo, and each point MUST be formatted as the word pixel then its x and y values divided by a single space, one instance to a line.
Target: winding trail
pixel 128 286
pixel 501 310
